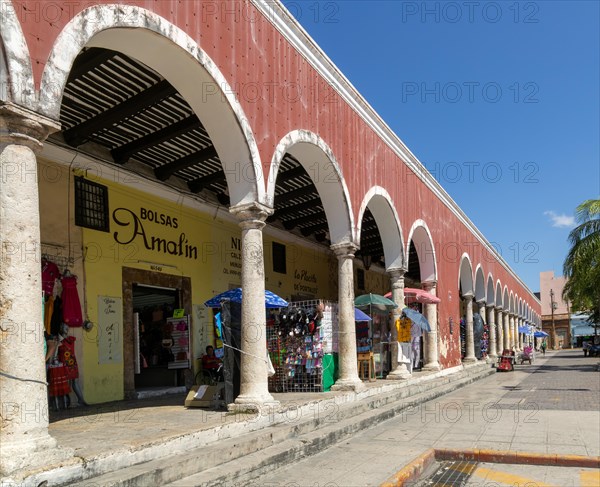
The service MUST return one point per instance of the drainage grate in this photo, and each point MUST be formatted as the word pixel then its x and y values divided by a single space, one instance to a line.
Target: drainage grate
pixel 449 474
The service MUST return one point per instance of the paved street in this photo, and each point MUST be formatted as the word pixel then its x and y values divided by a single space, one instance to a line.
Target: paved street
pixel 548 407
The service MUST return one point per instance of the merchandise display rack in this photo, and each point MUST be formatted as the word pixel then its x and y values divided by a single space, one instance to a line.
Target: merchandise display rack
pixel 297 339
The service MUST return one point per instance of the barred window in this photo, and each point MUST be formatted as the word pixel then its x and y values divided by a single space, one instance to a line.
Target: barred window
pixel 91 205
pixel 279 259
pixel 360 278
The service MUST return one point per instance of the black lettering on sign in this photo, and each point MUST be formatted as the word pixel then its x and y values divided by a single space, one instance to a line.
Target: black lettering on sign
pixel 133 228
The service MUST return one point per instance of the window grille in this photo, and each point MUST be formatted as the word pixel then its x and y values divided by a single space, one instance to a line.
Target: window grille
pixel 91 205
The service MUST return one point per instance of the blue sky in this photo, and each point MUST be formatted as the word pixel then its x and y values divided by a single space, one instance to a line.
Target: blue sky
pixel 499 100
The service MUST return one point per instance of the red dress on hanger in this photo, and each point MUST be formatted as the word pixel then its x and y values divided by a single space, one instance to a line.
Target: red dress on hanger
pixel 50 273
pixel 72 315
pixel 66 355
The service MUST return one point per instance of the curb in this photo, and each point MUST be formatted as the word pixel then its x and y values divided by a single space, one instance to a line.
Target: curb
pixel 412 471
pixel 415 469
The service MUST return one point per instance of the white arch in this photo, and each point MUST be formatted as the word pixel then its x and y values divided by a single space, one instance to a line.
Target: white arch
pixel 479 283
pixel 167 49
pixel 420 235
pixel 498 293
pixel 16 73
pixel 322 167
pixel 383 210
pixel 465 275
pixel 505 303
pixel 511 301
pixel 490 294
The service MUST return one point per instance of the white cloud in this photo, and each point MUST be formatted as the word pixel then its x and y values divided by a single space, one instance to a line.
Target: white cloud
pixel 560 221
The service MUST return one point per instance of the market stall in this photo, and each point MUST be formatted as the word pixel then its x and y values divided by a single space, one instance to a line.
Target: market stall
pixel 302 345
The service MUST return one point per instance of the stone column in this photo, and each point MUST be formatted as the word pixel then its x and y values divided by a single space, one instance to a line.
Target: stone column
pixel 254 387
pixel 470 344
pixel 481 311
pixel 398 371
pixel 431 338
pixel 500 334
pixel 24 439
pixel 492 351
pixel 348 358
pixel 506 330
pixel 511 330
pixel 519 325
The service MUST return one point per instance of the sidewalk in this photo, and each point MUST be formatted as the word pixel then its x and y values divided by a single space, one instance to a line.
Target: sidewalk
pixel 138 442
pixel 132 424
pixel 549 407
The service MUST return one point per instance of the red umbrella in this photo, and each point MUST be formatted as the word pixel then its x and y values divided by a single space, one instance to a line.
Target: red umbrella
pixel 412 295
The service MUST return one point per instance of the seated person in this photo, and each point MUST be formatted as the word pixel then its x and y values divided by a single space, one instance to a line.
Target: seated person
pixel 212 365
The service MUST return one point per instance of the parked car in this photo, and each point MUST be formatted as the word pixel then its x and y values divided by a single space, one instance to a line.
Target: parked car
pixel 594 351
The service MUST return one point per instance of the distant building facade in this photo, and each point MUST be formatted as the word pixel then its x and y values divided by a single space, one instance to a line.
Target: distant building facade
pixel 551 289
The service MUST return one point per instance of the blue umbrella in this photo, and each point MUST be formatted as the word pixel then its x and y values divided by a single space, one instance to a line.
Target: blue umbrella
pixel 235 295
pixel 417 318
pixel 540 334
pixel 360 316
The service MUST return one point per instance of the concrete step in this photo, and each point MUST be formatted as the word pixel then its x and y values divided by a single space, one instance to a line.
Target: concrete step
pixel 289 435
pixel 252 466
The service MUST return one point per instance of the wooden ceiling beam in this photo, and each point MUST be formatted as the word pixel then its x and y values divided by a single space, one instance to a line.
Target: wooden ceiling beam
pixel 122 154
pixel 89 60
pixel 199 184
pixel 319 227
pixel 165 171
pixel 296 193
pixel 75 136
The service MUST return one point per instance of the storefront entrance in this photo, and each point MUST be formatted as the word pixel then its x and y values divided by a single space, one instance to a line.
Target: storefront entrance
pixel 149 301
pixel 152 305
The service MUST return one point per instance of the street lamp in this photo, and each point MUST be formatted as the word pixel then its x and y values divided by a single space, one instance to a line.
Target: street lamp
pixel 552 308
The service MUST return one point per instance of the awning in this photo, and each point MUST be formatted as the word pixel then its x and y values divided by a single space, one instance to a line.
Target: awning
pixel 583 331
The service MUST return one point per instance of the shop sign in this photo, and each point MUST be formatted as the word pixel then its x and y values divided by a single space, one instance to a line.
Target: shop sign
pixel 233 261
pixel 110 330
pixel 133 228
pixel 305 282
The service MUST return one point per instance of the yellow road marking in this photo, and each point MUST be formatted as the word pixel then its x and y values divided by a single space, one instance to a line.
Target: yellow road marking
pixel 589 478
pixel 506 478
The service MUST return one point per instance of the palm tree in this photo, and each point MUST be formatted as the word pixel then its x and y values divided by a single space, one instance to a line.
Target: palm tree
pixel 582 264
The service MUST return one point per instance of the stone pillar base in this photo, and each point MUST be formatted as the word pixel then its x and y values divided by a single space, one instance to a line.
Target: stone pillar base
pixel 30 455
pixel 470 360
pixel 348 385
pixel 400 373
pixel 433 367
pixel 253 404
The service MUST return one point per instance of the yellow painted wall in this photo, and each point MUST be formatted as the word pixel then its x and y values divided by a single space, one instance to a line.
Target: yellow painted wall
pixel 215 268
pixel 213 262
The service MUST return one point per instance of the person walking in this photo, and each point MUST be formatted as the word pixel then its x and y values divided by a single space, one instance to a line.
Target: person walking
pixel 544 348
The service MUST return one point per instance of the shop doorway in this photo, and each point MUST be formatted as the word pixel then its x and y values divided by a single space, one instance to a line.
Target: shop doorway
pixel 152 305
pixel 149 299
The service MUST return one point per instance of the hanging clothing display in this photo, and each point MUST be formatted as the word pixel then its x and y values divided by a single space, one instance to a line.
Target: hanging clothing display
pixel 58 380
pixel 72 315
pixel 56 318
pixel 415 340
pixel 66 355
pixel 50 274
pixel 48 310
pixel 296 347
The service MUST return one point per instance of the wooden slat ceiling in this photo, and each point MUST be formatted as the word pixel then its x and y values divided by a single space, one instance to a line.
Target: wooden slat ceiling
pixel 122 105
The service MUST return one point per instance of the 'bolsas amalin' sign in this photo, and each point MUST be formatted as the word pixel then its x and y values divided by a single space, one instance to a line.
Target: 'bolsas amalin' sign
pixel 133 227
